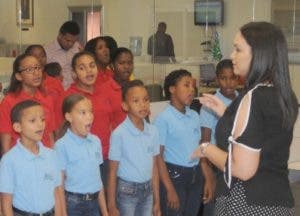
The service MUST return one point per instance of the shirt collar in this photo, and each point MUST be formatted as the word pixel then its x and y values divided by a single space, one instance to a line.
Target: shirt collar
pixel 220 95
pixel 28 154
pixel 135 131
pixel 78 139
pixel 178 114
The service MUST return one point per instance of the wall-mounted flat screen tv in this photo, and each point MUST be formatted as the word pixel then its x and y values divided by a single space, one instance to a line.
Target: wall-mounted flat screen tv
pixel 208 12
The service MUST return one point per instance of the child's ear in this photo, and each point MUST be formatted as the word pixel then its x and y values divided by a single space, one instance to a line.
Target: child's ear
pixel 68 117
pixel 74 75
pixel 217 80
pixel 172 89
pixel 18 76
pixel 124 106
pixel 17 127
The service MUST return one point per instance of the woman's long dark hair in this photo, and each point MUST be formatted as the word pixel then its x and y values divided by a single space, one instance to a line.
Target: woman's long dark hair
pixel 270 64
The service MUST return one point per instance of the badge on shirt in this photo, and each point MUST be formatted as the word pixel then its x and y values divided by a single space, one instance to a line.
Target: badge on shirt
pixel 48 177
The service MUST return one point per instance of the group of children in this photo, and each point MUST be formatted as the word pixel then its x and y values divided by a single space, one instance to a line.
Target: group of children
pixel 107 159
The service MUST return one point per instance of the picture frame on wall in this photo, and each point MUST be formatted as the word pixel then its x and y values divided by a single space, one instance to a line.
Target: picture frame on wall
pixel 25 13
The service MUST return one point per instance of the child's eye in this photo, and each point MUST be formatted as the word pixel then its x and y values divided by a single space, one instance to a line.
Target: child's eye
pixel 32 120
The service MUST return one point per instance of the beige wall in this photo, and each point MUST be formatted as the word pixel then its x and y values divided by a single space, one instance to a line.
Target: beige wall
pixel 123 19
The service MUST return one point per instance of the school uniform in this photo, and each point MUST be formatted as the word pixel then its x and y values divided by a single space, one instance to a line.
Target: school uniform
pixel 209 119
pixel 134 150
pixel 113 93
pixel 80 158
pixel 11 99
pixel 53 86
pixel 103 76
pixel 30 179
pixel 180 133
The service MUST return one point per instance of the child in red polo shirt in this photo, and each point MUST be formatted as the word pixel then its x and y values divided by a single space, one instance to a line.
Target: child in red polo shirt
pixel 122 62
pixel 52 86
pixel 85 70
pixel 25 84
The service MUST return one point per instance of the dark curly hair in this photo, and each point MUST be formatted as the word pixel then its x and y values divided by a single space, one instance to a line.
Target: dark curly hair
pixel 172 79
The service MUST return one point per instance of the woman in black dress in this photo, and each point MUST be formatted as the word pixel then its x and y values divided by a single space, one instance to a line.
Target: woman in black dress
pixel 255 132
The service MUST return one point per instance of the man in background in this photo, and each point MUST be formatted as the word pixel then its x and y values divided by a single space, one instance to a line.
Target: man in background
pixel 160 46
pixel 64 48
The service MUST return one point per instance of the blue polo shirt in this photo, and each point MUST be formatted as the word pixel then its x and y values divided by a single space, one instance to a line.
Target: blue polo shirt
pixel 30 178
pixel 80 158
pixel 134 149
pixel 209 119
pixel 179 133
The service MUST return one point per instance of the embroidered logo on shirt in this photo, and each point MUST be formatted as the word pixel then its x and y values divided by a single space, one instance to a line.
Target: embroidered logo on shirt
pixel 48 177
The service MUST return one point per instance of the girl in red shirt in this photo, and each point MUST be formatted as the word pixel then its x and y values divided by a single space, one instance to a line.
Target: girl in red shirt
pixel 122 63
pixel 25 84
pixel 52 86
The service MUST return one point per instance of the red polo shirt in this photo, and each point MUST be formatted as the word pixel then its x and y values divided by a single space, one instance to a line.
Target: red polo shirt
pixel 11 99
pixel 113 93
pixel 103 76
pixel 53 87
pixel 102 115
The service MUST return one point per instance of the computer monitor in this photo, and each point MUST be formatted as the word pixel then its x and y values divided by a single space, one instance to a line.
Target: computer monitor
pixel 207 73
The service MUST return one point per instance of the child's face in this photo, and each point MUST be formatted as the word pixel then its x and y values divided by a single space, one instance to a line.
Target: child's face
pixel 123 66
pixel 137 102
pixel 102 52
pixel 30 73
pixel 81 117
pixel 86 70
pixel 228 82
pixel 183 92
pixel 40 55
pixel 32 124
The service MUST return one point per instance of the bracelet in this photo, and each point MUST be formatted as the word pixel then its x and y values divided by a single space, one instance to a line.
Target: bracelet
pixel 203 147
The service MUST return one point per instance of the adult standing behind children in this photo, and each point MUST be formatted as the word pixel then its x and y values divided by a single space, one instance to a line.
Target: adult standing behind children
pixel 98 47
pixel 64 48
pixel 255 132
pixel 160 45
pixel 227 82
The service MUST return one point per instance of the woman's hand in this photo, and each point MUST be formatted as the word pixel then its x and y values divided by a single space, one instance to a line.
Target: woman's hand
pixel 214 103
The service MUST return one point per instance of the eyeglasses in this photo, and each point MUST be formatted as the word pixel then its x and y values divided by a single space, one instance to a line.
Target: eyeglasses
pixel 31 69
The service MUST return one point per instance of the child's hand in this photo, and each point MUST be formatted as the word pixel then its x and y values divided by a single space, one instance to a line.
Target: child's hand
pixel 173 200
pixel 113 211
pixel 156 209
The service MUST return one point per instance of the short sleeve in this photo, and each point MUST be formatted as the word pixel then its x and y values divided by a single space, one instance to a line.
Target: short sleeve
pixel 115 147
pixel 61 155
pixel 253 132
pixel 6 177
pixel 99 149
pixel 156 149
pixel 206 118
pixel 162 127
pixel 57 166
pixel 5 109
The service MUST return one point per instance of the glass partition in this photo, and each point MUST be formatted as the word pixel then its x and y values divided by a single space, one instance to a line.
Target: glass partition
pixel 199 40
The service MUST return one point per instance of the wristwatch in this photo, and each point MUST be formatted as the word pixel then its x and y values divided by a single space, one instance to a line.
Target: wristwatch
pixel 203 147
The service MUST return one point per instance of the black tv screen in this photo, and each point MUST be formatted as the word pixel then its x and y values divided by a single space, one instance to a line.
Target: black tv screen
pixel 208 12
